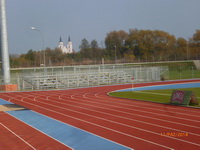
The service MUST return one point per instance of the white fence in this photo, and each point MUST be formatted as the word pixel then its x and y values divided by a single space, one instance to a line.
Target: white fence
pixel 85 76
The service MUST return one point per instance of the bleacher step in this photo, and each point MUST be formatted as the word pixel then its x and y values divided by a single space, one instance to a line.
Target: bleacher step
pixel 197 64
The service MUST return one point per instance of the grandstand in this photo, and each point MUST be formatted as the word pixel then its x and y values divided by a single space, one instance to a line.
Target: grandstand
pixel 65 77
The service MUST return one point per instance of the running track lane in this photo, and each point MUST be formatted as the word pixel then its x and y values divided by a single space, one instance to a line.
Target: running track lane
pixel 131 123
pixel 75 138
pixel 16 135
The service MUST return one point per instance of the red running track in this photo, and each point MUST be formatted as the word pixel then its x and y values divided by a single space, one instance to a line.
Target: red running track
pixel 135 124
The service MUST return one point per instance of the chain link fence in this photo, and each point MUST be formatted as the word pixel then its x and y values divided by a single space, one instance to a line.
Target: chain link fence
pixel 184 73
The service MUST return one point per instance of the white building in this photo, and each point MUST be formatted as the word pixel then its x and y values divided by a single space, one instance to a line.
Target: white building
pixel 66 49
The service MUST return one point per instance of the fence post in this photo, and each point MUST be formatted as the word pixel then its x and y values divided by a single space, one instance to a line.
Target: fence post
pixel 18 82
pixel 192 73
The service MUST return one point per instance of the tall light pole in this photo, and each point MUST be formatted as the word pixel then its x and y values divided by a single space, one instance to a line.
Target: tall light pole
pixel 4 44
pixel 115 54
pixel 33 28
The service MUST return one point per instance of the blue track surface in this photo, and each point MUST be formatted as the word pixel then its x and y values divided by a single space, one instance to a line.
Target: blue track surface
pixel 3 102
pixel 66 134
pixel 160 87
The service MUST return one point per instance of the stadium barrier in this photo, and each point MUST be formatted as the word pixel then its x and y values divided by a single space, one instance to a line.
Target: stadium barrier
pixel 9 87
pixel 65 77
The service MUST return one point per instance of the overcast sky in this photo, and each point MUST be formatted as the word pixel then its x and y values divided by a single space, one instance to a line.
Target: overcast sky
pixel 93 19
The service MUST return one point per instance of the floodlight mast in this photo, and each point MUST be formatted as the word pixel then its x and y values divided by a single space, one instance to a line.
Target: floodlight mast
pixel 33 28
pixel 4 44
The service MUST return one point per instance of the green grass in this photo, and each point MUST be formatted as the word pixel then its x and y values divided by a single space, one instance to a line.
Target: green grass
pixel 184 74
pixel 161 96
pixel 177 70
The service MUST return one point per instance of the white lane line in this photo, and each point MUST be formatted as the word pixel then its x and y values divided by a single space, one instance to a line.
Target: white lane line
pixel 135 114
pixel 120 124
pixel 139 103
pixel 18 136
pixel 101 126
pixel 140 110
pixel 39 131
pixel 159 108
pixel 153 93
pixel 117 116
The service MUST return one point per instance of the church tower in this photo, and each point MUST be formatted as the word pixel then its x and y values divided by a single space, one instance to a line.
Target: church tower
pixel 69 46
pixel 65 49
pixel 62 46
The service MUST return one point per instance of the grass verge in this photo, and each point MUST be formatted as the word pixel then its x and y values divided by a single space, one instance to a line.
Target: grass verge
pixel 161 96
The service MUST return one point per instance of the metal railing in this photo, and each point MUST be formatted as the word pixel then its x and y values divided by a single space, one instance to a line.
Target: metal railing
pixel 86 76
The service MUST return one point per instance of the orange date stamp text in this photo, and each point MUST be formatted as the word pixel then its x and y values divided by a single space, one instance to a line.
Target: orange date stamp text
pixel 174 134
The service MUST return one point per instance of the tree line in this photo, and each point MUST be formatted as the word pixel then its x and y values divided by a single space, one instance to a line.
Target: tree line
pixel 120 47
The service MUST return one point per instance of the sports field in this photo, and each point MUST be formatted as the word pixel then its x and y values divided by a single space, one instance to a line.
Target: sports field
pixel 161 94
pixel 89 119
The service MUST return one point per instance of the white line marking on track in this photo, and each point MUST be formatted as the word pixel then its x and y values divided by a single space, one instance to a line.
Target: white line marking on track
pixel 126 118
pixel 18 136
pixel 149 104
pixel 143 111
pixel 102 126
pixel 144 105
pixel 39 131
pixel 140 115
pixel 136 115
pixel 84 130
pixel 121 124
pixel 153 93
pixel 84 96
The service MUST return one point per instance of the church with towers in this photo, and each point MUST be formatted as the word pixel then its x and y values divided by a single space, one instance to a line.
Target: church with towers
pixel 66 49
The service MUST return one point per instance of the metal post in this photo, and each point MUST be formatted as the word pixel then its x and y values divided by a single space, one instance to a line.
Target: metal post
pixel 115 55
pixel 4 45
pixel 192 73
pixel 180 72
pixel 33 28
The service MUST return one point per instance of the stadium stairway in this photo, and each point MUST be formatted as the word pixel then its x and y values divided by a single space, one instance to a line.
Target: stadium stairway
pixel 197 64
